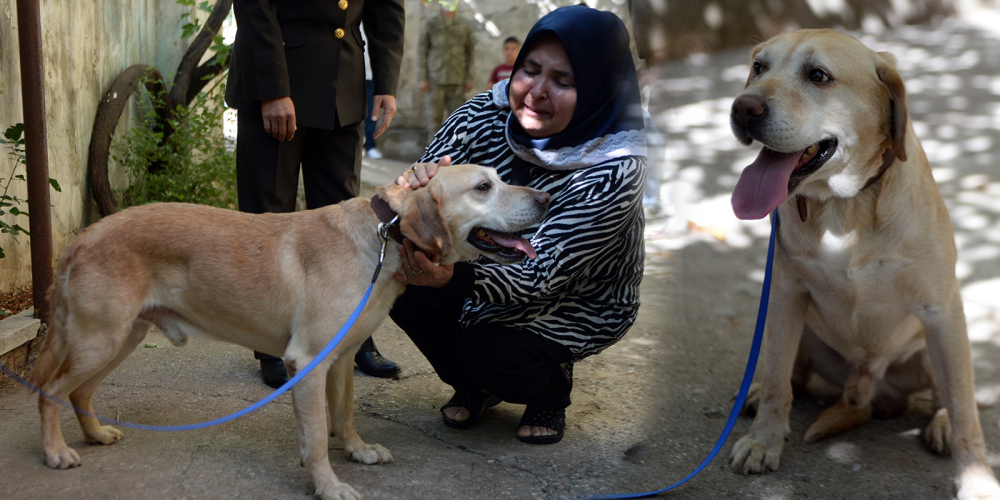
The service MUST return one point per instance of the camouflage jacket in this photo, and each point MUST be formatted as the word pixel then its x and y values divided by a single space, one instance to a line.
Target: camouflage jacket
pixel 446 51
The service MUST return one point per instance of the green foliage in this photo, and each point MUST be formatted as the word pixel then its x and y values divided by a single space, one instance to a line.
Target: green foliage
pixel 198 163
pixel 13 142
pixel 195 164
pixel 193 26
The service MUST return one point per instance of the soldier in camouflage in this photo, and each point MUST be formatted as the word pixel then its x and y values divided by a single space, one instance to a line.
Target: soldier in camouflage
pixel 446 51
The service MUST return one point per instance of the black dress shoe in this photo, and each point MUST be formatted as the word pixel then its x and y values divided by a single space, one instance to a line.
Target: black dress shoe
pixel 273 372
pixel 372 363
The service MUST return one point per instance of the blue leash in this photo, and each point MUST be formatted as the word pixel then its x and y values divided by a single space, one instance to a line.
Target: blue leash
pixel 733 414
pixel 271 397
pixel 330 346
pixel 741 397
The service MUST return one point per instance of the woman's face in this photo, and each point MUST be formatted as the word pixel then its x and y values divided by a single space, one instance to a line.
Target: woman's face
pixel 543 91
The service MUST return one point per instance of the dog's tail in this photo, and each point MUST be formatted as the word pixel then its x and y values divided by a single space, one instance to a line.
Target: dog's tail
pixel 53 351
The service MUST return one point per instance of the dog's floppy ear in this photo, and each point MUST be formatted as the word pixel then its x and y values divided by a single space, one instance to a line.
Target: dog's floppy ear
pixel 886 69
pixel 423 222
pixel 394 195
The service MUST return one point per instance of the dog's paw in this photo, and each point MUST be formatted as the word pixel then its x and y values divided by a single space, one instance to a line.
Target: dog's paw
pixel 751 455
pixel 63 457
pixel 372 454
pixel 937 434
pixel 105 434
pixel 978 483
pixel 338 491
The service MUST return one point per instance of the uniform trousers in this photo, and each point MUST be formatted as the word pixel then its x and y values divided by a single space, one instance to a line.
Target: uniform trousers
pixel 444 99
pixel 267 171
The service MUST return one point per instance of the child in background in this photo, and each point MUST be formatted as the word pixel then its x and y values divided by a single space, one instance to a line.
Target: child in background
pixel 502 72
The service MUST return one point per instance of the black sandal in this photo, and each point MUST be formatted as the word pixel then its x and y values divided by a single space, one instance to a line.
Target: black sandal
pixel 474 402
pixel 551 418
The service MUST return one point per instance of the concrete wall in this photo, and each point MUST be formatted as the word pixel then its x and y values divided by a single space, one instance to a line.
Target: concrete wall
pixel 86 44
pixel 492 22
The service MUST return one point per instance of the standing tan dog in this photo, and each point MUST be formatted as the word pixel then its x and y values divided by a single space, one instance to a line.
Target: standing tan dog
pixel 864 290
pixel 276 283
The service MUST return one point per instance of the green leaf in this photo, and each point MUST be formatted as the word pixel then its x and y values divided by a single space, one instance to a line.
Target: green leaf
pixel 190 29
pixel 221 53
pixel 55 185
pixel 153 345
pixel 205 7
pixel 13 132
pixel 16 211
pixel 20 177
pixel 185 2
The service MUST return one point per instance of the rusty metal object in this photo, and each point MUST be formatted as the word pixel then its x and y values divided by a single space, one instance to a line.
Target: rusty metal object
pixel 29 36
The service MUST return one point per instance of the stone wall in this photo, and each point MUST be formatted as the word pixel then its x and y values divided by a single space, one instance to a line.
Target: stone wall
pixel 492 21
pixel 85 45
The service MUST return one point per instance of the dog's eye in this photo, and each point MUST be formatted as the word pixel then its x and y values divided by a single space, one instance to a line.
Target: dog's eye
pixel 819 76
pixel 758 68
pixel 484 187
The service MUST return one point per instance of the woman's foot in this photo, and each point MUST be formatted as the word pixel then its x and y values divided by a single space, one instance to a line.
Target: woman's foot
pixel 465 408
pixel 542 425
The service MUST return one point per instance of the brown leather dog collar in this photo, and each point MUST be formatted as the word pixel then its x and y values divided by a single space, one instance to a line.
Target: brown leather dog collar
pixel 888 157
pixel 385 215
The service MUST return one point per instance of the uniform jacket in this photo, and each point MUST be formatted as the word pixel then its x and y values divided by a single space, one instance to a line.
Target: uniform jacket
pixel 312 50
pixel 446 51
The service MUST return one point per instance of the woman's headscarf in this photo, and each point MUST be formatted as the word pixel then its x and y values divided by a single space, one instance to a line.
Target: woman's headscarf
pixel 607 122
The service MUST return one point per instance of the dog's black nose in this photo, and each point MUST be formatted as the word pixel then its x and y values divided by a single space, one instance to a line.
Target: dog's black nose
pixel 748 109
pixel 542 198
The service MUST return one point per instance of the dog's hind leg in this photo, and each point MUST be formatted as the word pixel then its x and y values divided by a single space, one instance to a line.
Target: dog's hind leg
pixel 340 398
pixel 309 402
pixel 93 431
pixel 836 419
pixel 77 367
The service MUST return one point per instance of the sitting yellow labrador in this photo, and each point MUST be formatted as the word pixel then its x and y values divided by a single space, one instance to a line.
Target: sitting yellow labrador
pixel 864 290
pixel 283 284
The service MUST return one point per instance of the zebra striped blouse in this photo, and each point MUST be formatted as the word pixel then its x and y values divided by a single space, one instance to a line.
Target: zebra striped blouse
pixel 582 290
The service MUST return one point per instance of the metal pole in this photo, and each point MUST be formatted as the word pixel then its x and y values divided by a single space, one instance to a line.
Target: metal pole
pixel 29 36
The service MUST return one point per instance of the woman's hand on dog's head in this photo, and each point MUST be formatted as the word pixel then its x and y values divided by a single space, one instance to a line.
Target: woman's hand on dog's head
pixel 420 174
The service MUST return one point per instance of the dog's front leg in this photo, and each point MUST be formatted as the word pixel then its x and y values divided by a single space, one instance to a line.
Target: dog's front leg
pixel 309 401
pixel 948 347
pixel 340 397
pixel 760 450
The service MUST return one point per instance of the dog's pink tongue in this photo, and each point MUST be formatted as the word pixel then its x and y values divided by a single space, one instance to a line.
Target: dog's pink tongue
pixel 763 185
pixel 510 241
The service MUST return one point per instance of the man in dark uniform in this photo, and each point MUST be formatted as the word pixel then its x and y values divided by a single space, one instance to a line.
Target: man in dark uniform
pixel 297 79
